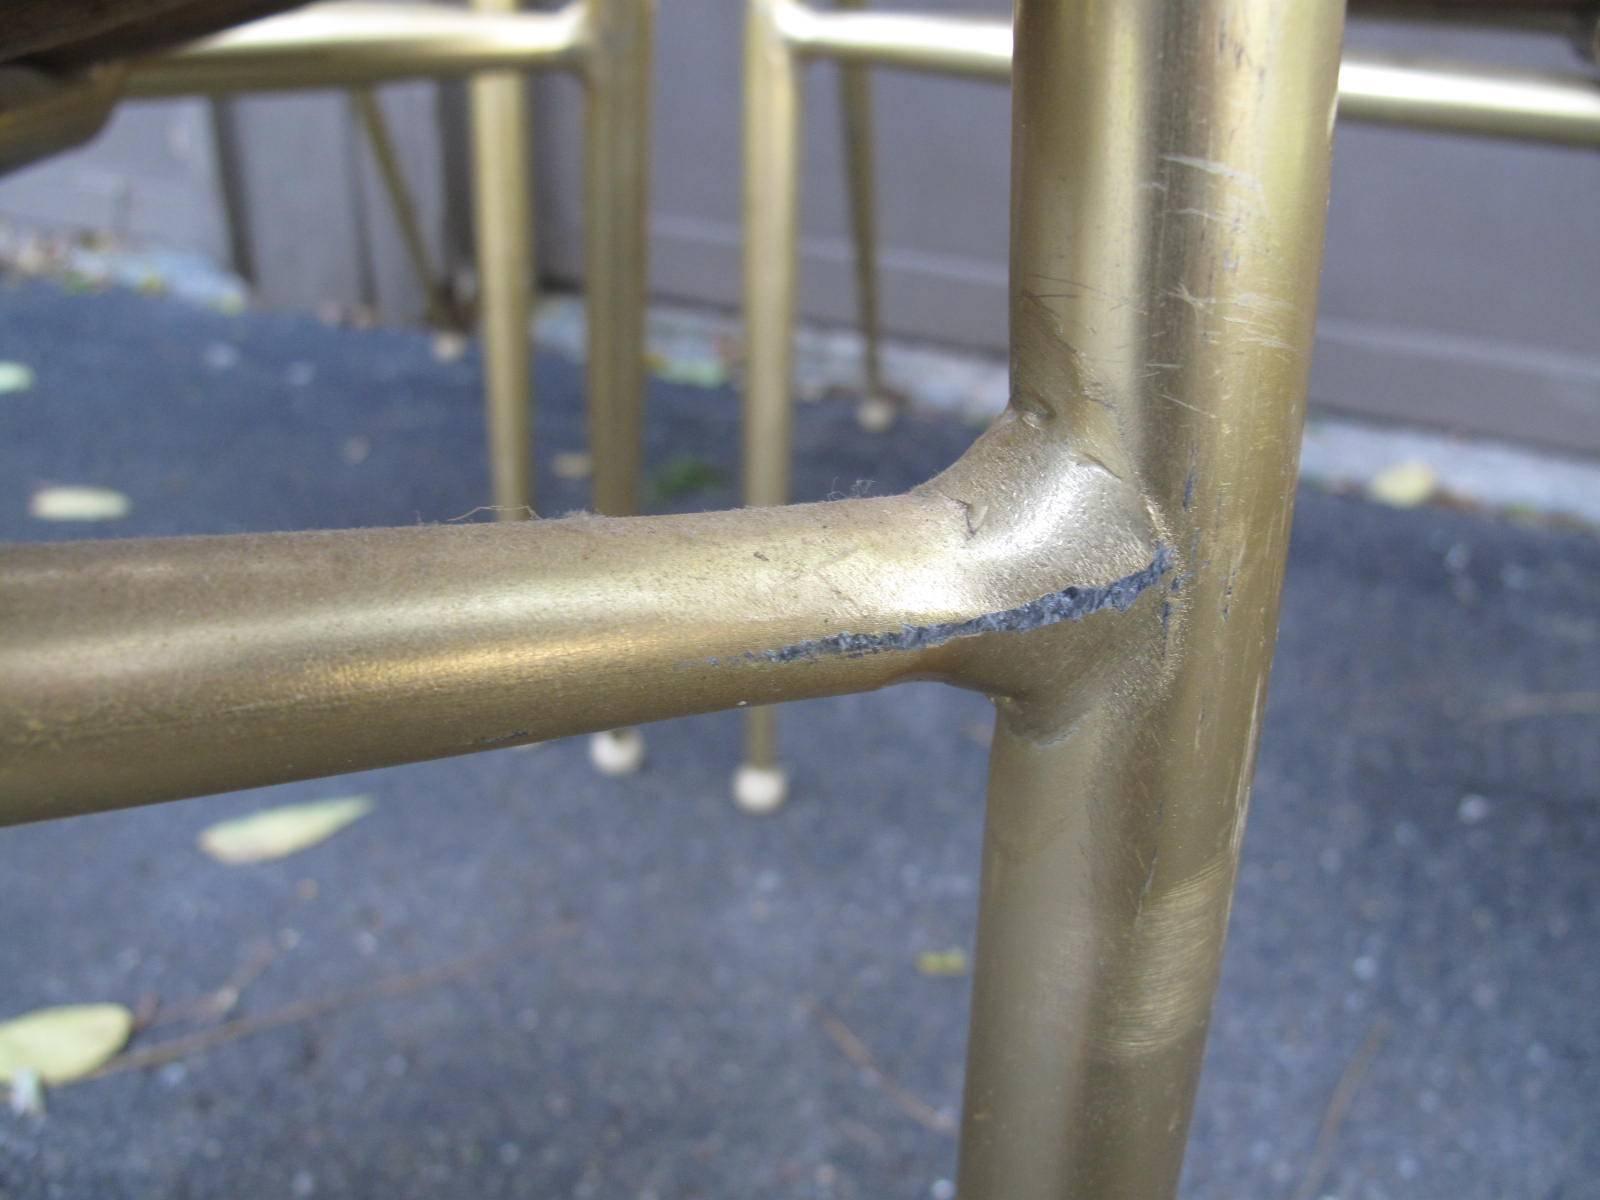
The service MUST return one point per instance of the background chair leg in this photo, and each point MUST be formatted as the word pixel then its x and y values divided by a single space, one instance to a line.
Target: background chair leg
pixel 503 211
pixel 616 271
pixel 760 785
pixel 1164 261
pixel 369 112
pixel 771 202
pixel 878 408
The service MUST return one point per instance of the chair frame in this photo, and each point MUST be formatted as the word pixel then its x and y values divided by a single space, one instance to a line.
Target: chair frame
pixel 607 43
pixel 788 35
pixel 1105 562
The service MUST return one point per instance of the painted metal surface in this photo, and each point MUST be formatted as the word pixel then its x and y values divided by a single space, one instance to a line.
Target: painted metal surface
pixel 608 43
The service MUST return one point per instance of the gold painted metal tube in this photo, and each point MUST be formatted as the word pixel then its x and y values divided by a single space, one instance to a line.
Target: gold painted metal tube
pixel 947 45
pixel 1170 181
pixel 135 671
pixel 401 203
pixel 1470 99
pixel 855 104
pixel 503 215
pixel 337 45
pixel 1462 98
pixel 619 36
pixel 45 114
pixel 616 252
pixel 771 205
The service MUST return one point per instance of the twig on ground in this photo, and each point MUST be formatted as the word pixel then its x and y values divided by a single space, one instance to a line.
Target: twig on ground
pixel 1521 705
pixel 219 1002
pixel 305 1010
pixel 854 1049
pixel 1338 1105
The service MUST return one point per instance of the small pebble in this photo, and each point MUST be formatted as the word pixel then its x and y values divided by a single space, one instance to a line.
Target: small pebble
pixel 449 346
pixel 220 356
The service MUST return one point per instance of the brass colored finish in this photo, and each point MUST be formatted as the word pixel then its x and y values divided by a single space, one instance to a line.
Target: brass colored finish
pixel 41 113
pixel 133 671
pixel 771 180
pixel 1105 562
pixel 619 34
pixel 503 219
pixel 855 105
pixel 342 44
pixel 1478 100
pixel 1169 187
pixel 975 46
pixel 771 212
pixel 608 41
pixel 376 127
pixel 1560 109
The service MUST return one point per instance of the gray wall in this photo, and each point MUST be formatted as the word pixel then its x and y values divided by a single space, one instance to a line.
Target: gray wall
pixel 1462 281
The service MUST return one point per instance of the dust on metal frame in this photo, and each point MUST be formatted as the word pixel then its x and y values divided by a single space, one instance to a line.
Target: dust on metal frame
pixel 1105 562
pixel 785 35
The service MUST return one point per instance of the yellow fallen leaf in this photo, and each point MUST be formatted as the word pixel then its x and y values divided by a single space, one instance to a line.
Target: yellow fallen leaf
pixel 15 377
pixel 942 962
pixel 572 464
pixel 693 370
pixel 78 504
pixel 58 1045
pixel 278 832
pixel 1403 485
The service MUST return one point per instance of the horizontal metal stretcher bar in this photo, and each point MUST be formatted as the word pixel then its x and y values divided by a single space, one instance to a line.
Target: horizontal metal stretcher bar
pixel 337 45
pixel 1461 98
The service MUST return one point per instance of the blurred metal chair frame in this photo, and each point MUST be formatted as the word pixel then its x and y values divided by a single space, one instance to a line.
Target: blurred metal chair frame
pixel 1105 562
pixel 608 44
pixel 786 35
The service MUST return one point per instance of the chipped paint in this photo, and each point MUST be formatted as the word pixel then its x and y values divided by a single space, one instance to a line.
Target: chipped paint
pixel 1069 604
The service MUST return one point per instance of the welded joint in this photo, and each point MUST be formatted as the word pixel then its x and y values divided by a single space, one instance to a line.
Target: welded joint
pixel 794 22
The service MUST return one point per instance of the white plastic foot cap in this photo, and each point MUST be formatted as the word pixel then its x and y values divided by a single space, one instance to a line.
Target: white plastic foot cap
pixel 760 789
pixel 876 414
pixel 617 751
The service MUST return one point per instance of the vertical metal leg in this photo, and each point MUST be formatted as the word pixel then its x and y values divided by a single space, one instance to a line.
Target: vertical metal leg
pixel 503 203
pixel 616 274
pixel 878 408
pixel 1170 168
pixel 401 203
pixel 771 202
pixel 616 183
